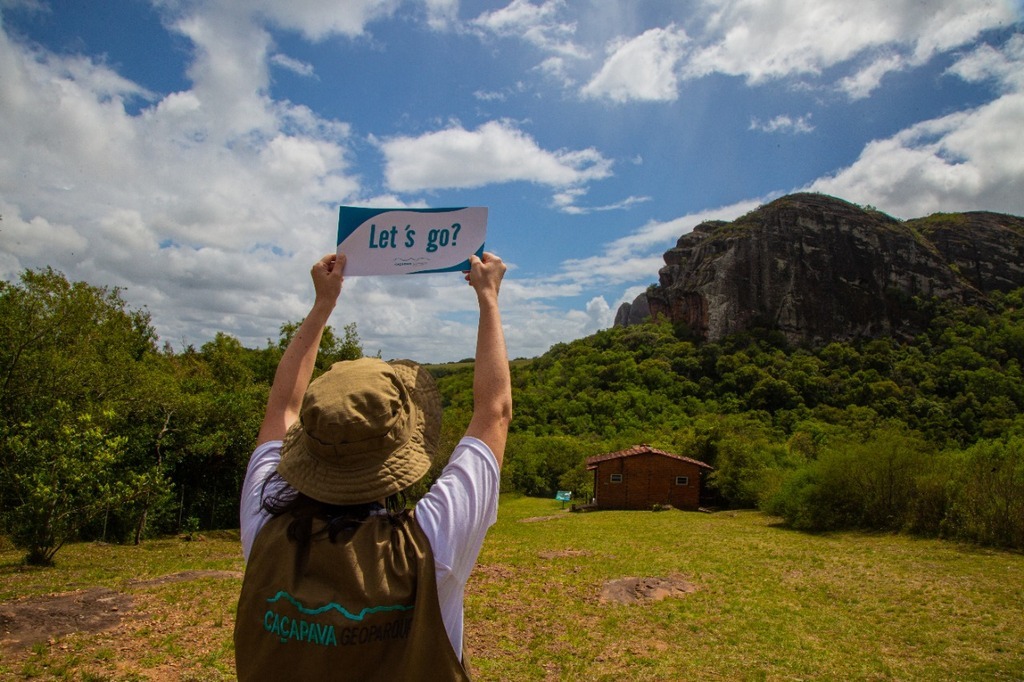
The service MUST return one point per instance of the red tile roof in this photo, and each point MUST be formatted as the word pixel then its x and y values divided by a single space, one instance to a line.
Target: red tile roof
pixel 642 450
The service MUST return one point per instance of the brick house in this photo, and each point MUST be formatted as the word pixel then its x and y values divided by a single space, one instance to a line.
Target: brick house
pixel 642 476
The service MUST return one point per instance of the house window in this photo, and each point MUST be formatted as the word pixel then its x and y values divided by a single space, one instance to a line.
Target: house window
pixel 615 478
pixel 682 480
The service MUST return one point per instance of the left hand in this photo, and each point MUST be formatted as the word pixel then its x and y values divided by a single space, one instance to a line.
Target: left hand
pixel 328 277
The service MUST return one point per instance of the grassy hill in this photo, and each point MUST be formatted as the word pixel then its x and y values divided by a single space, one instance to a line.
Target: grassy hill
pixel 768 603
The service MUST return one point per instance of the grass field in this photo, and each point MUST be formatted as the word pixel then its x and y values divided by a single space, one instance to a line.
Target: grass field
pixel 770 604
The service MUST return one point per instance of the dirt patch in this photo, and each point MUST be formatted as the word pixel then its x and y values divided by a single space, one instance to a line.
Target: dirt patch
pixel 39 619
pixel 564 554
pixel 25 622
pixel 535 519
pixel 185 576
pixel 489 573
pixel 644 590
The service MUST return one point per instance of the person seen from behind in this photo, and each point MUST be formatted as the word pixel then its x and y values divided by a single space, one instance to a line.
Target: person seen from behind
pixel 342 582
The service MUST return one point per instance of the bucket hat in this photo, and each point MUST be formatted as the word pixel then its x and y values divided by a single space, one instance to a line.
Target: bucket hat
pixel 367 429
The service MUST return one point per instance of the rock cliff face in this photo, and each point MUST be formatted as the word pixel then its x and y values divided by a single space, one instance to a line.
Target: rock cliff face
pixel 820 269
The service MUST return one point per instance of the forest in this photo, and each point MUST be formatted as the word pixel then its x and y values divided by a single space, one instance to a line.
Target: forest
pixel 107 434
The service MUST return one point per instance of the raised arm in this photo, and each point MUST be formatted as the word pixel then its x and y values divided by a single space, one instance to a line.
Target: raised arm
pixel 296 366
pixel 492 385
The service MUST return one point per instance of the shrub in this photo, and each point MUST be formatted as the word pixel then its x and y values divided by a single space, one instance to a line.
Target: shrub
pixel 988 506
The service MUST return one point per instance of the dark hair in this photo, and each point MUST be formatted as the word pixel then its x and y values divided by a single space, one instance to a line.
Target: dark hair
pixel 337 518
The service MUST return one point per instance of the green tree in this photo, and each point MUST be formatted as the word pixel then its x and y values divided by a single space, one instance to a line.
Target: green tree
pixel 332 347
pixel 579 481
pixel 216 420
pixel 68 342
pixel 744 468
pixel 70 353
pixel 70 472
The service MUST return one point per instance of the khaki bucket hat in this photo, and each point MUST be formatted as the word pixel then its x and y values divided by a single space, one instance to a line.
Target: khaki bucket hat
pixel 366 429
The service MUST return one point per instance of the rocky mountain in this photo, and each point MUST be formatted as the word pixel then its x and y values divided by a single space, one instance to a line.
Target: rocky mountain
pixel 820 269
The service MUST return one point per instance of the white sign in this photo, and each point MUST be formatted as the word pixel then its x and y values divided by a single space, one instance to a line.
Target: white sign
pixel 406 241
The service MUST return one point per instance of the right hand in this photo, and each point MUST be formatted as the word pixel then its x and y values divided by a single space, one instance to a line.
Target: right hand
pixel 485 274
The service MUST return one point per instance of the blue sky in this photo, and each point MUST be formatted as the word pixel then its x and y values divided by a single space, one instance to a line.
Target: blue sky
pixel 194 152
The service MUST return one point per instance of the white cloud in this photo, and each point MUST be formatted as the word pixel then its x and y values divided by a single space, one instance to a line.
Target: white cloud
pixel 535 24
pixel 643 68
pixel 441 14
pixel 285 156
pixel 294 65
pixel 556 69
pixel 638 255
pixel 970 160
pixel 629 295
pixel 29 5
pixel 783 124
pixel 493 153
pixel 567 201
pixel 765 39
pixel 491 95
pixel 37 238
pixel 1005 67
pixel 600 314
pixel 229 73
pixel 500 95
pixel 532 325
pixel 518 17
pixel 865 81
pixel 318 19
